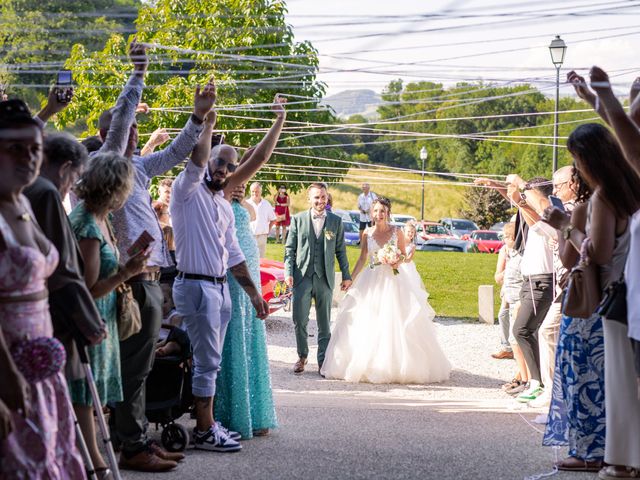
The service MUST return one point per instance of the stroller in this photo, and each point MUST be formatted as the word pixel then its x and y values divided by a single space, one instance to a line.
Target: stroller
pixel 169 394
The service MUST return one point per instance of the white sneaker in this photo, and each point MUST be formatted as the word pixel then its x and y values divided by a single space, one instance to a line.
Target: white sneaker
pixel 215 440
pixel 230 433
pixel 543 401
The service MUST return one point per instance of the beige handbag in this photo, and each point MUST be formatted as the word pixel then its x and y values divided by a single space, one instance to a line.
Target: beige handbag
pixel 129 318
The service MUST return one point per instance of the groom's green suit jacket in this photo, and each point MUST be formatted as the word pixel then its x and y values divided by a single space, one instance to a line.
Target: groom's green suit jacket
pixel 297 253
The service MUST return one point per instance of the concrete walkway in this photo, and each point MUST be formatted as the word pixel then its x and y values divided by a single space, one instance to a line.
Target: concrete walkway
pixel 465 428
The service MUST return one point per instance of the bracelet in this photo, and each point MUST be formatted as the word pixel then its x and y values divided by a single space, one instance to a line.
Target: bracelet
pixel 195 119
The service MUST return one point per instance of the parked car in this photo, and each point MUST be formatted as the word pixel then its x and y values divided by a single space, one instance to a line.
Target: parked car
pixel 498 227
pixel 448 245
pixel 274 291
pixel 488 241
pixel 430 230
pixel 347 215
pixel 459 226
pixel 399 218
pixel 351 233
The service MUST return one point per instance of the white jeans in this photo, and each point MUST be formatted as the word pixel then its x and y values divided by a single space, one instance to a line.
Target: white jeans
pixel 261 240
pixel 548 341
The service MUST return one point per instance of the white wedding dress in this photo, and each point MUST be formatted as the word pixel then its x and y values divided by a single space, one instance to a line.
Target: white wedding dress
pixel 384 331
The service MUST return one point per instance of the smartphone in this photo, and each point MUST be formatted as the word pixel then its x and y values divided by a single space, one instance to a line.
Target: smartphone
pixel 556 202
pixel 63 84
pixel 141 244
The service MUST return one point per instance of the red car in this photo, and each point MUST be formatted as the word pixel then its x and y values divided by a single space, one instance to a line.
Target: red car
pixel 274 290
pixel 488 241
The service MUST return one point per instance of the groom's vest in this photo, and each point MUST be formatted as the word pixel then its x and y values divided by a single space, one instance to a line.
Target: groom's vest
pixel 317 254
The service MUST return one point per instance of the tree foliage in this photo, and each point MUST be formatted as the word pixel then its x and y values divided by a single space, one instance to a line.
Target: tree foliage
pixel 36 37
pixel 485 207
pixel 246 44
pixel 455 122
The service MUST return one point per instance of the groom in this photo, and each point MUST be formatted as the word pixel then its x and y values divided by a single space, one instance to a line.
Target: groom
pixel 315 238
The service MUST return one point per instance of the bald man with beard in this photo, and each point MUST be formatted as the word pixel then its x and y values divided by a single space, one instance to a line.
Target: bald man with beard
pixel 206 249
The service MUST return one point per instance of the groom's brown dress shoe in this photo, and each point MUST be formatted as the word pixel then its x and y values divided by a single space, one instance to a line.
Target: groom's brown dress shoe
pixel 299 365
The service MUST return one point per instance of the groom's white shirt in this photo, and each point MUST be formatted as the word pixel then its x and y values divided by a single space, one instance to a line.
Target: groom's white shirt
pixel 318 223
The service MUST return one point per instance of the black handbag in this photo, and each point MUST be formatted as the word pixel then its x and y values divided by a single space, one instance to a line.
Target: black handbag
pixel 614 303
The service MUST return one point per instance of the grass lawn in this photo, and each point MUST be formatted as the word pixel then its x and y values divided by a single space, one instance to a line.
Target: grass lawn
pixel 452 279
pixel 439 200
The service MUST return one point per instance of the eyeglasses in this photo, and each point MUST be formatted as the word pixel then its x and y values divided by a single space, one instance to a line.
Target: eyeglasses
pixel 221 162
pixel 558 186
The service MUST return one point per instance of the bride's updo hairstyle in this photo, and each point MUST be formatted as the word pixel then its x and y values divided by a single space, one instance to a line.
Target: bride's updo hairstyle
pixel 386 203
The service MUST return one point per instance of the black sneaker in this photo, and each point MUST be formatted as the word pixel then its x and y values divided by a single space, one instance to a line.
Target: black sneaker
pixel 215 440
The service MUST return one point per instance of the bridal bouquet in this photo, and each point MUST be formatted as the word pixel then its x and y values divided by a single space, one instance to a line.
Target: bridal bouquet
pixel 390 255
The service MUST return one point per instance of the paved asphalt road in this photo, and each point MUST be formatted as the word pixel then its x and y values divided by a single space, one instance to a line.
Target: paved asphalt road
pixel 465 428
pixel 362 437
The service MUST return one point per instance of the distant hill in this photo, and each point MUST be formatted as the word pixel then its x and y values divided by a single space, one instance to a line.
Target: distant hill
pixel 352 102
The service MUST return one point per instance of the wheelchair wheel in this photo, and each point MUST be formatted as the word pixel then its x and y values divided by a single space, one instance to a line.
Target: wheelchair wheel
pixel 175 437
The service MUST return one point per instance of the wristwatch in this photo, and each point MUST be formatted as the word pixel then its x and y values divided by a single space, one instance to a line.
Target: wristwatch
pixel 566 232
pixel 523 200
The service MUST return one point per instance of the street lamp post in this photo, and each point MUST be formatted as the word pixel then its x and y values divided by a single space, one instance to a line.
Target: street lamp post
pixel 423 157
pixel 557 48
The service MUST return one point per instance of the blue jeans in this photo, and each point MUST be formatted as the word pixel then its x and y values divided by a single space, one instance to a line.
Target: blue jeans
pixel 205 308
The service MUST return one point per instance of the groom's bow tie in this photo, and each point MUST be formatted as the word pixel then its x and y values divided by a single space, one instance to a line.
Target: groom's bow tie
pixel 318 216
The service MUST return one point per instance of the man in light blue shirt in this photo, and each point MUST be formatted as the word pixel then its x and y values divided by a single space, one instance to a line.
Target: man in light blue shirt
pixel 206 247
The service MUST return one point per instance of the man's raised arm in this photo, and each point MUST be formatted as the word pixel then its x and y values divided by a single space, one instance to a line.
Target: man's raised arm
pixel 179 149
pixel 264 149
pixel 125 110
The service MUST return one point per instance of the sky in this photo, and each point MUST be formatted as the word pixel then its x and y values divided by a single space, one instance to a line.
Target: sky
pixel 367 43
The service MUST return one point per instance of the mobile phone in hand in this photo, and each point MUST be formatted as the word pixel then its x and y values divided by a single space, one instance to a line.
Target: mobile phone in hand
pixel 141 244
pixel 64 83
pixel 556 202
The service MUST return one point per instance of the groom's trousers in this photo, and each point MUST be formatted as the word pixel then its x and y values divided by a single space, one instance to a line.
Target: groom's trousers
pixel 312 288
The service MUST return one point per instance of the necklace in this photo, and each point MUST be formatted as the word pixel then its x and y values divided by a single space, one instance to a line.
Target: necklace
pixel 24 217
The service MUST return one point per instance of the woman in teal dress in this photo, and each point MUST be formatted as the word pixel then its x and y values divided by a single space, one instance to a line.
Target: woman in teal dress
pixel 244 400
pixel 103 188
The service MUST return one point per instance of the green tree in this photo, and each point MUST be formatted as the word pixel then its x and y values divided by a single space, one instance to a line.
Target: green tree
pixel 249 48
pixel 485 207
pixel 37 36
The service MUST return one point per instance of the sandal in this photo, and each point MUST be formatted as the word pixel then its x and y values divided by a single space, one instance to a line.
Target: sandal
pixel 512 384
pixel 613 472
pixel 575 464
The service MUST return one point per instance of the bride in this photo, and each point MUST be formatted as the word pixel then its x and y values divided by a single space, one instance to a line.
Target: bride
pixel 384 331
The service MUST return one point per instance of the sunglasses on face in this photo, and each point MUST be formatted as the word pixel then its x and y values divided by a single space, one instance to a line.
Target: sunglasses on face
pixel 221 162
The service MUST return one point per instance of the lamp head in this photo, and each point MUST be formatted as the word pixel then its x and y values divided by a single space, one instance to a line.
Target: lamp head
pixel 557 48
pixel 423 153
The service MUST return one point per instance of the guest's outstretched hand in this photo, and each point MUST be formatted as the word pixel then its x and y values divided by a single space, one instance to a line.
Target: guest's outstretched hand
pixel 138 56
pixel 555 217
pixel 599 80
pixel 204 99
pixel 278 106
pixel 158 137
pixel 57 100
pixel 580 85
